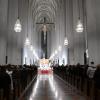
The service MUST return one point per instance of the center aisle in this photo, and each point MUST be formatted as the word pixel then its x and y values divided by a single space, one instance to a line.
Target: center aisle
pixel 51 87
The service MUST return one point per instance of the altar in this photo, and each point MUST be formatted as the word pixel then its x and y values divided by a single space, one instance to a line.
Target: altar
pixel 44 66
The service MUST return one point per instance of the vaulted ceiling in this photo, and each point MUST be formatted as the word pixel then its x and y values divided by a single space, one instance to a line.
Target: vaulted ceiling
pixel 44 8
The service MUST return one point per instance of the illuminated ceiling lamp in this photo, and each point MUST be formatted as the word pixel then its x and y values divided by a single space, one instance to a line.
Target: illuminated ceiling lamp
pixel 18 26
pixel 65 39
pixel 27 41
pixel 59 48
pixel 56 52
pixel 79 26
pixel 66 42
pixel 31 47
pixel 33 52
pixel 53 55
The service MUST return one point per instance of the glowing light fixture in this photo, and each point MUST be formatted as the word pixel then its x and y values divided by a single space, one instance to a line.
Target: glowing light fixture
pixel 18 26
pixel 31 47
pixel 56 52
pixel 59 48
pixel 53 55
pixel 79 27
pixel 33 52
pixel 27 41
pixel 66 42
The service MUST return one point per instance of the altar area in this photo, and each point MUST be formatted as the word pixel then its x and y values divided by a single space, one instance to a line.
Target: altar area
pixel 44 67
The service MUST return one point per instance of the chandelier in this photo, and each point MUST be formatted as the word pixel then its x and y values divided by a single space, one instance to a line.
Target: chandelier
pixel 79 27
pixel 56 52
pixel 27 41
pixel 31 48
pixel 66 42
pixel 18 26
pixel 59 48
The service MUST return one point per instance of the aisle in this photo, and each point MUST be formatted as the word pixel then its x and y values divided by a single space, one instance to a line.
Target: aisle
pixel 49 87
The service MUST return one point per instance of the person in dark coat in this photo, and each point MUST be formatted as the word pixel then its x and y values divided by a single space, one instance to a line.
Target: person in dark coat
pixel 23 77
pixel 97 83
pixel 5 83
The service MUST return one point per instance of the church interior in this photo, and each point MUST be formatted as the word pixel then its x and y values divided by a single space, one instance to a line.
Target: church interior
pixel 49 50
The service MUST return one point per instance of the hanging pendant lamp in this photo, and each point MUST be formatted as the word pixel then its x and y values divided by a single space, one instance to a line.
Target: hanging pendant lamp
pixel 18 26
pixel 66 41
pixel 27 41
pixel 56 52
pixel 59 48
pixel 31 48
pixel 79 26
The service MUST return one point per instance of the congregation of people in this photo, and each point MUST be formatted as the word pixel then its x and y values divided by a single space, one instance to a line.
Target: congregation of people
pixel 85 78
pixel 14 79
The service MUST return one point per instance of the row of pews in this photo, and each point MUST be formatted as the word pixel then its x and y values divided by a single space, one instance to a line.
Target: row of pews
pixel 14 79
pixel 76 75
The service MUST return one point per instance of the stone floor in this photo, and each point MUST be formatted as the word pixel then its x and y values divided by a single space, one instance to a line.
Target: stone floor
pixel 52 87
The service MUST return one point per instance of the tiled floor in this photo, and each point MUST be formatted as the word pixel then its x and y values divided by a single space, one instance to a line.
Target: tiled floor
pixel 50 87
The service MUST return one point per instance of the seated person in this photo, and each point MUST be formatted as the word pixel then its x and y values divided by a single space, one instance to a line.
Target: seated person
pixel 5 82
pixel 91 70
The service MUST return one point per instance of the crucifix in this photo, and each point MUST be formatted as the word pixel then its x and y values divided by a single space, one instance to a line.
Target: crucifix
pixel 44 37
pixel 45 33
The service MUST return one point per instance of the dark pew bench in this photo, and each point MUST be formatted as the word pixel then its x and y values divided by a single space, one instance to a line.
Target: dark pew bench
pixel 17 76
pixel 77 76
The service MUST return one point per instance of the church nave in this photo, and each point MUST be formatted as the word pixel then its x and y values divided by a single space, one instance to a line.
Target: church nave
pixel 51 87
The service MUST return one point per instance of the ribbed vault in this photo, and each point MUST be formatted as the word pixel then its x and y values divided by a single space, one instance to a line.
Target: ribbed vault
pixel 44 8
